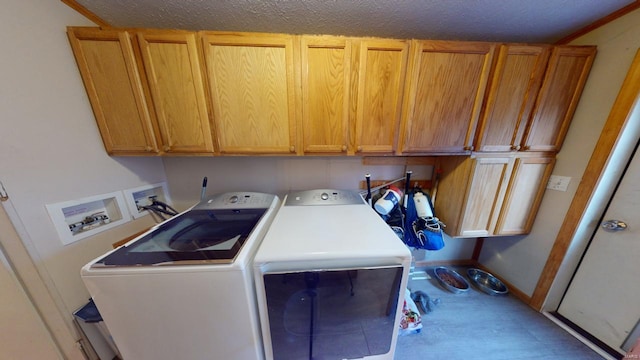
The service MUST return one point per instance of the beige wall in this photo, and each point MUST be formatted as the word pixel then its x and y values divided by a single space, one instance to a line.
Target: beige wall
pixel 520 260
pixel 50 149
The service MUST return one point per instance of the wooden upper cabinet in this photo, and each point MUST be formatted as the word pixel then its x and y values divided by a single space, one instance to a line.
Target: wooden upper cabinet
pixel 513 90
pixel 110 74
pixel 445 88
pixel 562 86
pixel 492 194
pixel 172 64
pixel 325 78
pixel 381 73
pixel 485 193
pixel 523 196
pixel 253 93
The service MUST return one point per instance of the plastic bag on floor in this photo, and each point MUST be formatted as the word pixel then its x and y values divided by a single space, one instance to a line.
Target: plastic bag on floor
pixel 411 321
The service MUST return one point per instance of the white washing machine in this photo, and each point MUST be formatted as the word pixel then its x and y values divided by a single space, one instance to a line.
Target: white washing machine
pixel 185 289
pixel 330 277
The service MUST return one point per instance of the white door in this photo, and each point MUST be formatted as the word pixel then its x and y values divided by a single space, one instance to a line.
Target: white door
pixel 604 295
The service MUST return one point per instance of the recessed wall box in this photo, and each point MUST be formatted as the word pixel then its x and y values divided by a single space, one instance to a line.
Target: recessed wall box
pixel 143 195
pixel 78 219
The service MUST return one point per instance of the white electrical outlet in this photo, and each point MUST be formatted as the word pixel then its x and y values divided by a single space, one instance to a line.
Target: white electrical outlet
pixel 559 183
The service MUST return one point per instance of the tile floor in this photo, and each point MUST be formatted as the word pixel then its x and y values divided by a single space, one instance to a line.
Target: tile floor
pixel 474 325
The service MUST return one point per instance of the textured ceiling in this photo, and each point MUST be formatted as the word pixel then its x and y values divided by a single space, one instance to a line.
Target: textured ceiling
pixel 487 20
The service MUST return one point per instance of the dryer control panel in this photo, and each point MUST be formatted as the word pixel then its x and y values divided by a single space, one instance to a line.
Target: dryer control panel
pixel 324 197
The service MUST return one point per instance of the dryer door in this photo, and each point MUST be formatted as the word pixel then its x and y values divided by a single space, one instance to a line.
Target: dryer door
pixel 333 314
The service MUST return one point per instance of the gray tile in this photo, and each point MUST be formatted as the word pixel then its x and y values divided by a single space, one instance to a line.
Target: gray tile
pixel 474 325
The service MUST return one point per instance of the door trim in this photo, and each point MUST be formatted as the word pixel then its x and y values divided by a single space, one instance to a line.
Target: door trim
pixel 35 286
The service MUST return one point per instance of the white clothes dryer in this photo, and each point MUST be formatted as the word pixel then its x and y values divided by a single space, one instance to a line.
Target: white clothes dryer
pixel 185 288
pixel 330 277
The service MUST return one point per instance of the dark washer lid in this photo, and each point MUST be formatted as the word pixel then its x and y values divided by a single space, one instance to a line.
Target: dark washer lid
pixel 194 236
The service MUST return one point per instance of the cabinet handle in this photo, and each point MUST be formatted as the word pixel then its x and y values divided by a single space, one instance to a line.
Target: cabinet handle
pixel 515 147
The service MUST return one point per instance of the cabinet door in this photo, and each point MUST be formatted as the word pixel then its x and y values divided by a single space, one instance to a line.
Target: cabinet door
pixel 172 66
pixel 445 89
pixel 381 76
pixel 326 71
pixel 526 187
pixel 252 87
pixel 109 70
pixel 562 86
pixel 484 195
pixel 514 87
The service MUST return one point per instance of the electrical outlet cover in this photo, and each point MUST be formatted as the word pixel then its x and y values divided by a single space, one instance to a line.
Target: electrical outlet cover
pixel 559 183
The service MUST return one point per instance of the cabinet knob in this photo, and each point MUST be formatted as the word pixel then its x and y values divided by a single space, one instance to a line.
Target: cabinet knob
pixel 344 148
pixel 515 147
pixel 468 148
pixel 148 149
pixel 359 149
pixel 292 149
pixel 167 148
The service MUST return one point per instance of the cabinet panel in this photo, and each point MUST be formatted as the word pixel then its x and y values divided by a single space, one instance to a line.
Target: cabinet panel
pixel 562 86
pixel 526 187
pixel 252 87
pixel 381 76
pixel 326 71
pixel 108 67
pixel 485 195
pixel 444 96
pixel 502 193
pixel 173 68
pixel 514 88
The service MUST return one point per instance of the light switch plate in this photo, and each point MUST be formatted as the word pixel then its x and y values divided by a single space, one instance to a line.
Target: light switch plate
pixel 559 183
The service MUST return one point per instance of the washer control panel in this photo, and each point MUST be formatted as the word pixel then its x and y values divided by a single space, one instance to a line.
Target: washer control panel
pixel 239 200
pixel 324 197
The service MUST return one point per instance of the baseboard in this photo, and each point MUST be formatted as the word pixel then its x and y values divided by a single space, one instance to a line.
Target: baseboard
pixel 425 263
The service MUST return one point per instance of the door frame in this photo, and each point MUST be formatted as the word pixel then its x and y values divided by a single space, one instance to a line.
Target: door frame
pixel 34 286
pixel 619 135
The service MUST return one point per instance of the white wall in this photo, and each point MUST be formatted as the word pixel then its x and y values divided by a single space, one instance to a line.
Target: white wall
pixel 520 260
pixel 51 150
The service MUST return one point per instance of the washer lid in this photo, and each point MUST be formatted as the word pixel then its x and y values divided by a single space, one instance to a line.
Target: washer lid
pixel 195 236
